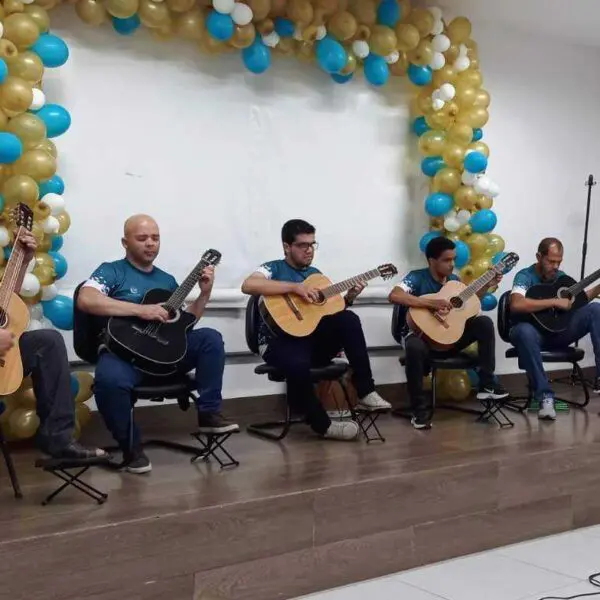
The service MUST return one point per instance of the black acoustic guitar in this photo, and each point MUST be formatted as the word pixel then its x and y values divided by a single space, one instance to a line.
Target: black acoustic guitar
pixel 554 320
pixel 152 347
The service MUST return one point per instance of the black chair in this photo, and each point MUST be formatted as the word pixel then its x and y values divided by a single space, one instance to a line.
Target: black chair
pixel 334 371
pixel 87 337
pixel 492 409
pixel 10 467
pixel 571 355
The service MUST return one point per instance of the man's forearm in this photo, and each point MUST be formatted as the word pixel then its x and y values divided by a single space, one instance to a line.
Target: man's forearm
pixel 198 306
pixel 593 292
pixel 94 302
pixel 258 286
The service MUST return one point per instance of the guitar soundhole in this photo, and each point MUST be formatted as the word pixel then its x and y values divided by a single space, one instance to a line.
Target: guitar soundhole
pixel 3 318
pixel 174 316
pixel 564 293
pixel 456 302
pixel 321 299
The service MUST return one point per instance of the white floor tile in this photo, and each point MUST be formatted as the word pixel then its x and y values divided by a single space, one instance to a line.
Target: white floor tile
pixel 376 589
pixel 490 576
pixel 575 554
pixel 566 592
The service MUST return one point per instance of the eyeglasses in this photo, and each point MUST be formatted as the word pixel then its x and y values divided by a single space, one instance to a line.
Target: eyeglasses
pixel 306 245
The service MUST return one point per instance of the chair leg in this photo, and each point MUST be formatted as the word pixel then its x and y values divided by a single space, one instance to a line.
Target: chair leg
pixel 10 467
pixel 264 430
pixel 366 419
pixel 584 386
pixel 212 446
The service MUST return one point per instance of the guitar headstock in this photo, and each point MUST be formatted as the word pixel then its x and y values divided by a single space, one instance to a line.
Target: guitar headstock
pixel 22 216
pixel 387 271
pixel 211 258
pixel 507 262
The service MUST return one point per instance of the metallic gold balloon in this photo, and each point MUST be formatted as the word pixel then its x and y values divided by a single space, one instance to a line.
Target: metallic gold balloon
pixel 3 125
pixel 436 224
pixel 400 67
pixel 65 222
pixel 210 45
pixel 478 244
pixel 475 117
pixel 8 49
pixel 309 34
pixel 447 180
pixel 408 36
pixel 422 54
pixel 383 40
pixel 423 20
pixel 351 64
pixel 92 12
pixel 39 165
pixel 495 245
pixel 265 27
pixel 285 47
pixel 342 25
pixel 44 259
pixel 181 6
pixel 162 34
pixel 20 188
pixel 460 134
pixel 447 74
pixel 49 147
pixel 465 95
pixel 465 198
pixel 466 274
pixel 25 395
pixel 86 383
pixel 29 128
pixel 471 78
pixel 278 8
pixel 405 9
pixel 459 30
pixel 244 36
pixel 32 300
pixel 37 231
pixel 424 100
pixel 41 211
pixel 365 11
pixel 479 147
pixel 190 25
pixel 458 385
pixel 16 96
pixel 23 423
pixel 26 65
pixel 482 99
pixel 260 8
pixel 39 15
pixel 439 120
pixel 46 275
pixel 154 14
pixel 452 54
pixel 300 11
pixel 13 6
pixel 21 29
pixel 483 202
pixel 432 143
pixel 45 242
pixel 452 236
pixel 327 7
pixel 84 414
pixel 481 265
pixel 47 4
pixel 122 9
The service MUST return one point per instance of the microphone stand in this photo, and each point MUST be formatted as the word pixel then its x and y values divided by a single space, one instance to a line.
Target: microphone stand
pixel 573 379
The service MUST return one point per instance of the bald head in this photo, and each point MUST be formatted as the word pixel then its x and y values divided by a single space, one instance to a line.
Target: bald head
pixel 141 240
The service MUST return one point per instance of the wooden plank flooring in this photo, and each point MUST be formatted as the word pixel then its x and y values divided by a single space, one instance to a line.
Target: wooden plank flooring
pixel 299 516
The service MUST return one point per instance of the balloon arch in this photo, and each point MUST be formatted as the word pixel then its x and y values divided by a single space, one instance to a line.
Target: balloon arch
pixel 380 38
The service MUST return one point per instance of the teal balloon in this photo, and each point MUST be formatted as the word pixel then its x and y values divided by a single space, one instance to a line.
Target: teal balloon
pixel 483 221
pixel 56 118
pixel 74 386
pixel 463 254
pixel 60 264
pixel 377 71
pixel 438 204
pixel 331 55
pixel 11 147
pixel 1 203
pixel 3 71
pixel 389 13
pixel 220 26
pixel 430 165
pixel 420 126
pixel 424 241
pixel 476 162
pixel 60 312
pixel 257 57
pixel 126 26
pixel 339 78
pixel 57 243
pixel 420 75
pixel 54 185
pixel 51 49
pixel 489 302
pixel 477 134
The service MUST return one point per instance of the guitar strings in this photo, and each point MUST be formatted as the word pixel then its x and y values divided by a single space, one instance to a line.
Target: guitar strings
pixel 15 263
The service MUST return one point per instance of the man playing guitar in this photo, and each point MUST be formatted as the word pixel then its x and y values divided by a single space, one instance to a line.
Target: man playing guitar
pixel 529 340
pixel 441 253
pixel 295 355
pixel 116 289
pixel 45 358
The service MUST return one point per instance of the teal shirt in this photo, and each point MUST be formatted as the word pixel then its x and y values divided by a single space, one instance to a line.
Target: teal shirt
pixel 527 278
pixel 122 281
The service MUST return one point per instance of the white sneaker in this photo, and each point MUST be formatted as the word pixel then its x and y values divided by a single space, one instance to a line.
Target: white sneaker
pixel 547 411
pixel 374 401
pixel 342 430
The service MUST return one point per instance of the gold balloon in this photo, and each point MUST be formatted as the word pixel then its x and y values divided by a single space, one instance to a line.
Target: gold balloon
pixel 84 414
pixel 285 46
pixel 383 40
pixel 423 20
pixel 400 67
pixel 44 259
pixel 41 211
pixel 439 119
pixel 459 30
pixel 365 11
pixel 480 147
pixel 422 54
pixel 476 117
pixel 460 134
pixel 436 224
pixel 458 385
pixel 38 233
pixel 21 29
pixel 454 155
pixel 478 244
pixel 23 423
pixel 25 395
pixel 482 98
pixel 483 202
pixel 190 24
pixel 47 4
pixel 465 198
pixel 327 7
pixel 278 8
pixel 495 245
pixel 182 6
pixel 266 26
pixel 14 6
pixel 46 275
pixel 39 15
pixel 342 25
pixel 465 232
pixel 432 143
pixel 65 222
pixel 452 54
pixel 481 265
pixel 26 65
pixel 39 165
pixel 427 383
pixel 465 95
pixel 3 125
pixel 29 128
pixel 86 384
pixel 243 36
pixel 447 74
pixel 452 235
pixel 408 37
pixel 154 14
pixel 300 11
pixel 472 350
pixel 260 8
pixel 45 241
pixel 208 44
pixel 49 147
pixel 471 78
pixel 16 96
pixel 447 180
pixel 20 188
pixel 424 100
pixel 8 50
pixel 91 12
pixel 466 274
pixel 309 34
pixel 351 64
pixel 122 9
pixel 405 9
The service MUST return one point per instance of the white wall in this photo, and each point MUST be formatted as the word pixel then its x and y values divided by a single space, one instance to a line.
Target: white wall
pixel 221 158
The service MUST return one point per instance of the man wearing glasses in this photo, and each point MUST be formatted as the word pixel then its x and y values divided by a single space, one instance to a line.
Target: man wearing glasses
pixel 295 356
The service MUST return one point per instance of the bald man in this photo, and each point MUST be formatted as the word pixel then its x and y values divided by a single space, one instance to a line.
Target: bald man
pixel 115 290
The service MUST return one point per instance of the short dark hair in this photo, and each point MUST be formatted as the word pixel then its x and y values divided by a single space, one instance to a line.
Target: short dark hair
pixel 547 243
pixel 293 228
pixel 437 246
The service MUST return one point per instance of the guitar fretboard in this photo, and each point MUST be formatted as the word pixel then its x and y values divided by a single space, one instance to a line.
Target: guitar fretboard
pixel 183 291
pixel 480 283
pixel 344 286
pixel 579 287
pixel 11 272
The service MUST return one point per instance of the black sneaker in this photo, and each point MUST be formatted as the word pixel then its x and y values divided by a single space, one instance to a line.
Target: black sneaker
pixel 215 423
pixel 420 423
pixel 492 392
pixel 137 462
pixel 596 387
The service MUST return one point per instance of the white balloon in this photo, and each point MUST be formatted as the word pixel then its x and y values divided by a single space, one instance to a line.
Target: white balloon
pixel 34 325
pixel 438 104
pixel 482 184
pixel 298 34
pixel 447 92
pixel 463 216
pixel 494 189
pixel 31 266
pixel 46 323
pixel 438 27
pixel 224 6
pixel 463 50
pixel 55 202
pixel 30 287
pixel 361 48
pixel 321 32
pixel 1 30
pixel 438 61
pixel 469 178
pixel 451 224
pixel 4 237
pixel 441 43
pixel 462 63
pixel 392 58
pixel 436 11
pixel 28 1
pixel 39 99
pixel 242 14
pixel 49 292
pixel 36 312
pixel 51 225
pixel 271 40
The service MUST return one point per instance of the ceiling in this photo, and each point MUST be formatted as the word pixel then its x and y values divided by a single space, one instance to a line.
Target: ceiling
pixel 574 21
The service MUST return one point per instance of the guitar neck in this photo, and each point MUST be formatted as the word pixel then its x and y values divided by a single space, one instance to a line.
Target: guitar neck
pixel 183 291
pixel 12 272
pixel 579 287
pixel 476 286
pixel 344 286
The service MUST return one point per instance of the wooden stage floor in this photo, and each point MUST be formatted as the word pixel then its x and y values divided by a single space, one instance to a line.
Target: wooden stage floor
pixel 300 516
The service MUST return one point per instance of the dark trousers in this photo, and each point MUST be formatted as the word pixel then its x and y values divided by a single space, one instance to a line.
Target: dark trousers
pixel 45 358
pixel 418 361
pixel 295 357
pixel 115 380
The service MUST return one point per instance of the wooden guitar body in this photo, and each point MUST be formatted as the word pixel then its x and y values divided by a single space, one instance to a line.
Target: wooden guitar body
pixel 442 333
pixel 11 365
pixel 296 317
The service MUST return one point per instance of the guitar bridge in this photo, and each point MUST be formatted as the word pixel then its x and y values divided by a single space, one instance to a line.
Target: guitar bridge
pixel 155 335
pixel 441 320
pixel 293 307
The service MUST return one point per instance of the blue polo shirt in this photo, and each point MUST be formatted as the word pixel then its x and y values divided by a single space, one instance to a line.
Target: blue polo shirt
pixel 527 278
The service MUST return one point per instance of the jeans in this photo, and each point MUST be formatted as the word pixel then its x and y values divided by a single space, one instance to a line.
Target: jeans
pixel 45 358
pixel 115 380
pixel 530 342
pixel 419 354
pixel 295 357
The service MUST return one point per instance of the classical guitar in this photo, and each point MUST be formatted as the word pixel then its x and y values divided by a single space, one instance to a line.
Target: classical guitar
pixel 14 316
pixel 152 347
pixel 443 331
pixel 291 314
pixel 554 320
